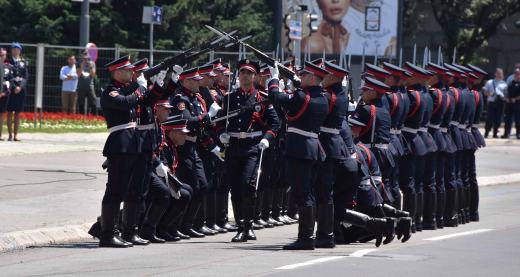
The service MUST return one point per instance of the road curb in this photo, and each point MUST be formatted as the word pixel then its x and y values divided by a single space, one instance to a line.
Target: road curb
pixel 53 235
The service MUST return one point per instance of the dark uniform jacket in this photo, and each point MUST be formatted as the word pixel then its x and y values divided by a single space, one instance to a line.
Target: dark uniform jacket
pixel 330 138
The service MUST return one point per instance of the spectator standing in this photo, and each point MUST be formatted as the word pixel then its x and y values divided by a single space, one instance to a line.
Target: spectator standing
pixel 69 77
pixel 512 106
pixel 512 76
pixel 16 100
pixel 495 90
pixel 86 70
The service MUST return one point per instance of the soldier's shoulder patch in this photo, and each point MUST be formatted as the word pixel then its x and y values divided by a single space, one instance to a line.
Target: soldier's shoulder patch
pixel 181 106
pixel 113 93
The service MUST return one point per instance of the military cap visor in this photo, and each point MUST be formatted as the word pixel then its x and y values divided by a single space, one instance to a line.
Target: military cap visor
pixel 335 69
pixel 377 71
pixel 436 68
pixel 311 68
pixel 121 63
pixel 175 123
pixel 417 71
pixel 190 74
pixel 249 65
pixel 375 85
pixel 207 70
pixel 163 103
pixel 477 70
pixel 394 69
pixel 140 65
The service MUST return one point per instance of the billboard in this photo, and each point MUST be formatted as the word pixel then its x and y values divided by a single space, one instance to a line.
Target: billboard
pixel 349 26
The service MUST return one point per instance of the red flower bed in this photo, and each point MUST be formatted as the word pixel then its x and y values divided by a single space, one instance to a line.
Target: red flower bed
pixel 63 116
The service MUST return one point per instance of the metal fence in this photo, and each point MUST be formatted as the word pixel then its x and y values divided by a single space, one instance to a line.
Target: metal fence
pixel 44 84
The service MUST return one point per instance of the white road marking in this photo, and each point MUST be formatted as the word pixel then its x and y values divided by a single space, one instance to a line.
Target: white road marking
pixel 459 234
pixel 357 254
pixel 362 252
pixel 311 262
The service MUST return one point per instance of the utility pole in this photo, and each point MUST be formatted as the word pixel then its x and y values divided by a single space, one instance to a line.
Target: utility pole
pixel 84 29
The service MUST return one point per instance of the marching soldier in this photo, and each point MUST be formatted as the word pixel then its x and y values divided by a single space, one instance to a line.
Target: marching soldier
pixel 307 109
pixel 119 101
pixel 335 150
pixel 247 135
pixel 6 86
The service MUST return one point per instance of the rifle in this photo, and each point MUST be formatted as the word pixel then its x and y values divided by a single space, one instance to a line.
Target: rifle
pixel 186 56
pixel 350 91
pixel 236 112
pixel 284 71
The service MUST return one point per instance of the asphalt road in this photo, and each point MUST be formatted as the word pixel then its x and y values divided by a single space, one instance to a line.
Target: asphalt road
pixel 490 247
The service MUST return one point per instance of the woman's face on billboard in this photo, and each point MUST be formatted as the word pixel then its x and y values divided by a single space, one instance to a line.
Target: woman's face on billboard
pixel 334 10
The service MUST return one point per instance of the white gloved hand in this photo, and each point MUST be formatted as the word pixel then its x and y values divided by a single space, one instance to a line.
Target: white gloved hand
pixel 224 138
pixel 344 83
pixel 264 144
pixel 216 152
pixel 281 85
pixel 7 84
pixel 297 79
pixel 275 73
pixel 177 70
pixel 176 194
pixel 161 170
pixel 213 109
pixel 141 80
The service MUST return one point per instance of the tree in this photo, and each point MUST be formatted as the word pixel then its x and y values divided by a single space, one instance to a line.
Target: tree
pixel 468 24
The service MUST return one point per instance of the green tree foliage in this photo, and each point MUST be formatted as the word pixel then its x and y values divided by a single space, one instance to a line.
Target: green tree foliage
pixel 118 22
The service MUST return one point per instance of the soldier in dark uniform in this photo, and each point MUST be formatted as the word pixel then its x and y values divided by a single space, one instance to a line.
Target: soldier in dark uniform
pixel 307 109
pixel 433 172
pixel 398 109
pixel 414 145
pixel 479 139
pixel 7 85
pixel 247 135
pixel 459 135
pixel 192 106
pixel 119 101
pixel 335 150
pixel 16 99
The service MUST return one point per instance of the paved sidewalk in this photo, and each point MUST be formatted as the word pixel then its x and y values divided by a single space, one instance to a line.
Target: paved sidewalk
pixel 52 185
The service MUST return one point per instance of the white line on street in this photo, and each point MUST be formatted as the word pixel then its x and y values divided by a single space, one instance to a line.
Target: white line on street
pixel 357 254
pixel 459 234
pixel 362 252
pixel 311 262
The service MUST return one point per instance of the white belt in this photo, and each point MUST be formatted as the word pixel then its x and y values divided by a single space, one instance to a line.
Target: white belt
pixel 150 126
pixel 329 130
pixel 353 155
pixel 122 127
pixel 395 131
pixel 377 178
pixel 244 135
pixel 444 130
pixel 423 129
pixel 302 132
pixel 436 126
pixel 410 130
pixel 192 139
pixel 365 182
pixel 377 145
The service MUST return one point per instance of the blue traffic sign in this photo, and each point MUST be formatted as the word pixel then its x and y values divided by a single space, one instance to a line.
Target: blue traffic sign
pixel 157 14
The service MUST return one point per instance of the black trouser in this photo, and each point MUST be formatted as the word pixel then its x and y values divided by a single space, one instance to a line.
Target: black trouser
pixel 91 100
pixel 301 175
pixel 191 172
pixel 326 179
pixel 241 176
pixel 123 174
pixel 512 112
pixel 494 115
pixel 207 209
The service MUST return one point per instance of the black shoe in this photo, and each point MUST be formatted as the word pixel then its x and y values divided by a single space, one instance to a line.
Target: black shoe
pixel 109 235
pixel 301 244
pixel 113 241
pixel 389 230
pixel 165 236
pixel 403 229
pixel 504 136
pixel 218 229
pixel 192 233
pixel 257 226
pixel 281 219
pixel 260 222
pixel 230 227
pixel 289 220
pixel 495 135
pixel 135 239
pixel 517 136
pixel 474 217
pixel 152 238
pixel 325 242
pixel 182 235
pixel 206 231
pixel 273 222
pixel 95 230
pixel 451 222
pixel 241 235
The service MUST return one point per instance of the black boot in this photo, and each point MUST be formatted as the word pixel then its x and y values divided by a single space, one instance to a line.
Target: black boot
pixel 95 229
pixel 248 210
pixel 441 204
pixel 473 203
pixel 267 207
pixel 211 213
pixel 377 226
pixel 222 211
pixel 467 206
pixel 461 206
pixel 325 231
pixel 109 236
pixel 277 213
pixel 151 220
pixel 450 211
pixel 189 219
pixel 130 217
pixel 403 227
pixel 306 222
pixel 410 205
pixel 241 235
pixel 430 209
pixel 258 223
pixel 200 219
pixel 419 211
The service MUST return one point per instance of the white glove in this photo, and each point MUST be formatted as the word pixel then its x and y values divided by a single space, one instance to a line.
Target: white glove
pixel 275 73
pixel 141 80
pixel 224 138
pixel 344 83
pixel 213 109
pixel 161 170
pixel 177 70
pixel 216 152
pixel 281 85
pixel 297 79
pixel 264 144
pixel 7 84
pixel 176 194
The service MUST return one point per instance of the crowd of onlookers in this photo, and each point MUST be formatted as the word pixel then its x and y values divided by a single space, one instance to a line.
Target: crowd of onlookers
pixel 78 85
pixel 503 103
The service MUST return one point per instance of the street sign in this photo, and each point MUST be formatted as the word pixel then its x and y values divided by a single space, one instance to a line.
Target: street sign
pixel 152 15
pixel 92 51
pixel 295 30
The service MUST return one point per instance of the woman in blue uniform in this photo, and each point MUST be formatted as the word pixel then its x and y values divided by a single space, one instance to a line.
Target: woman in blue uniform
pixel 17 98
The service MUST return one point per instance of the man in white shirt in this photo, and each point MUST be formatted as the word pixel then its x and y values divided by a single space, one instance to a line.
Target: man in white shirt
pixel 496 91
pixel 69 77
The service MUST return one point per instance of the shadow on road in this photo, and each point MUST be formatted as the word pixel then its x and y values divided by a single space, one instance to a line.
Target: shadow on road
pixel 78 245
